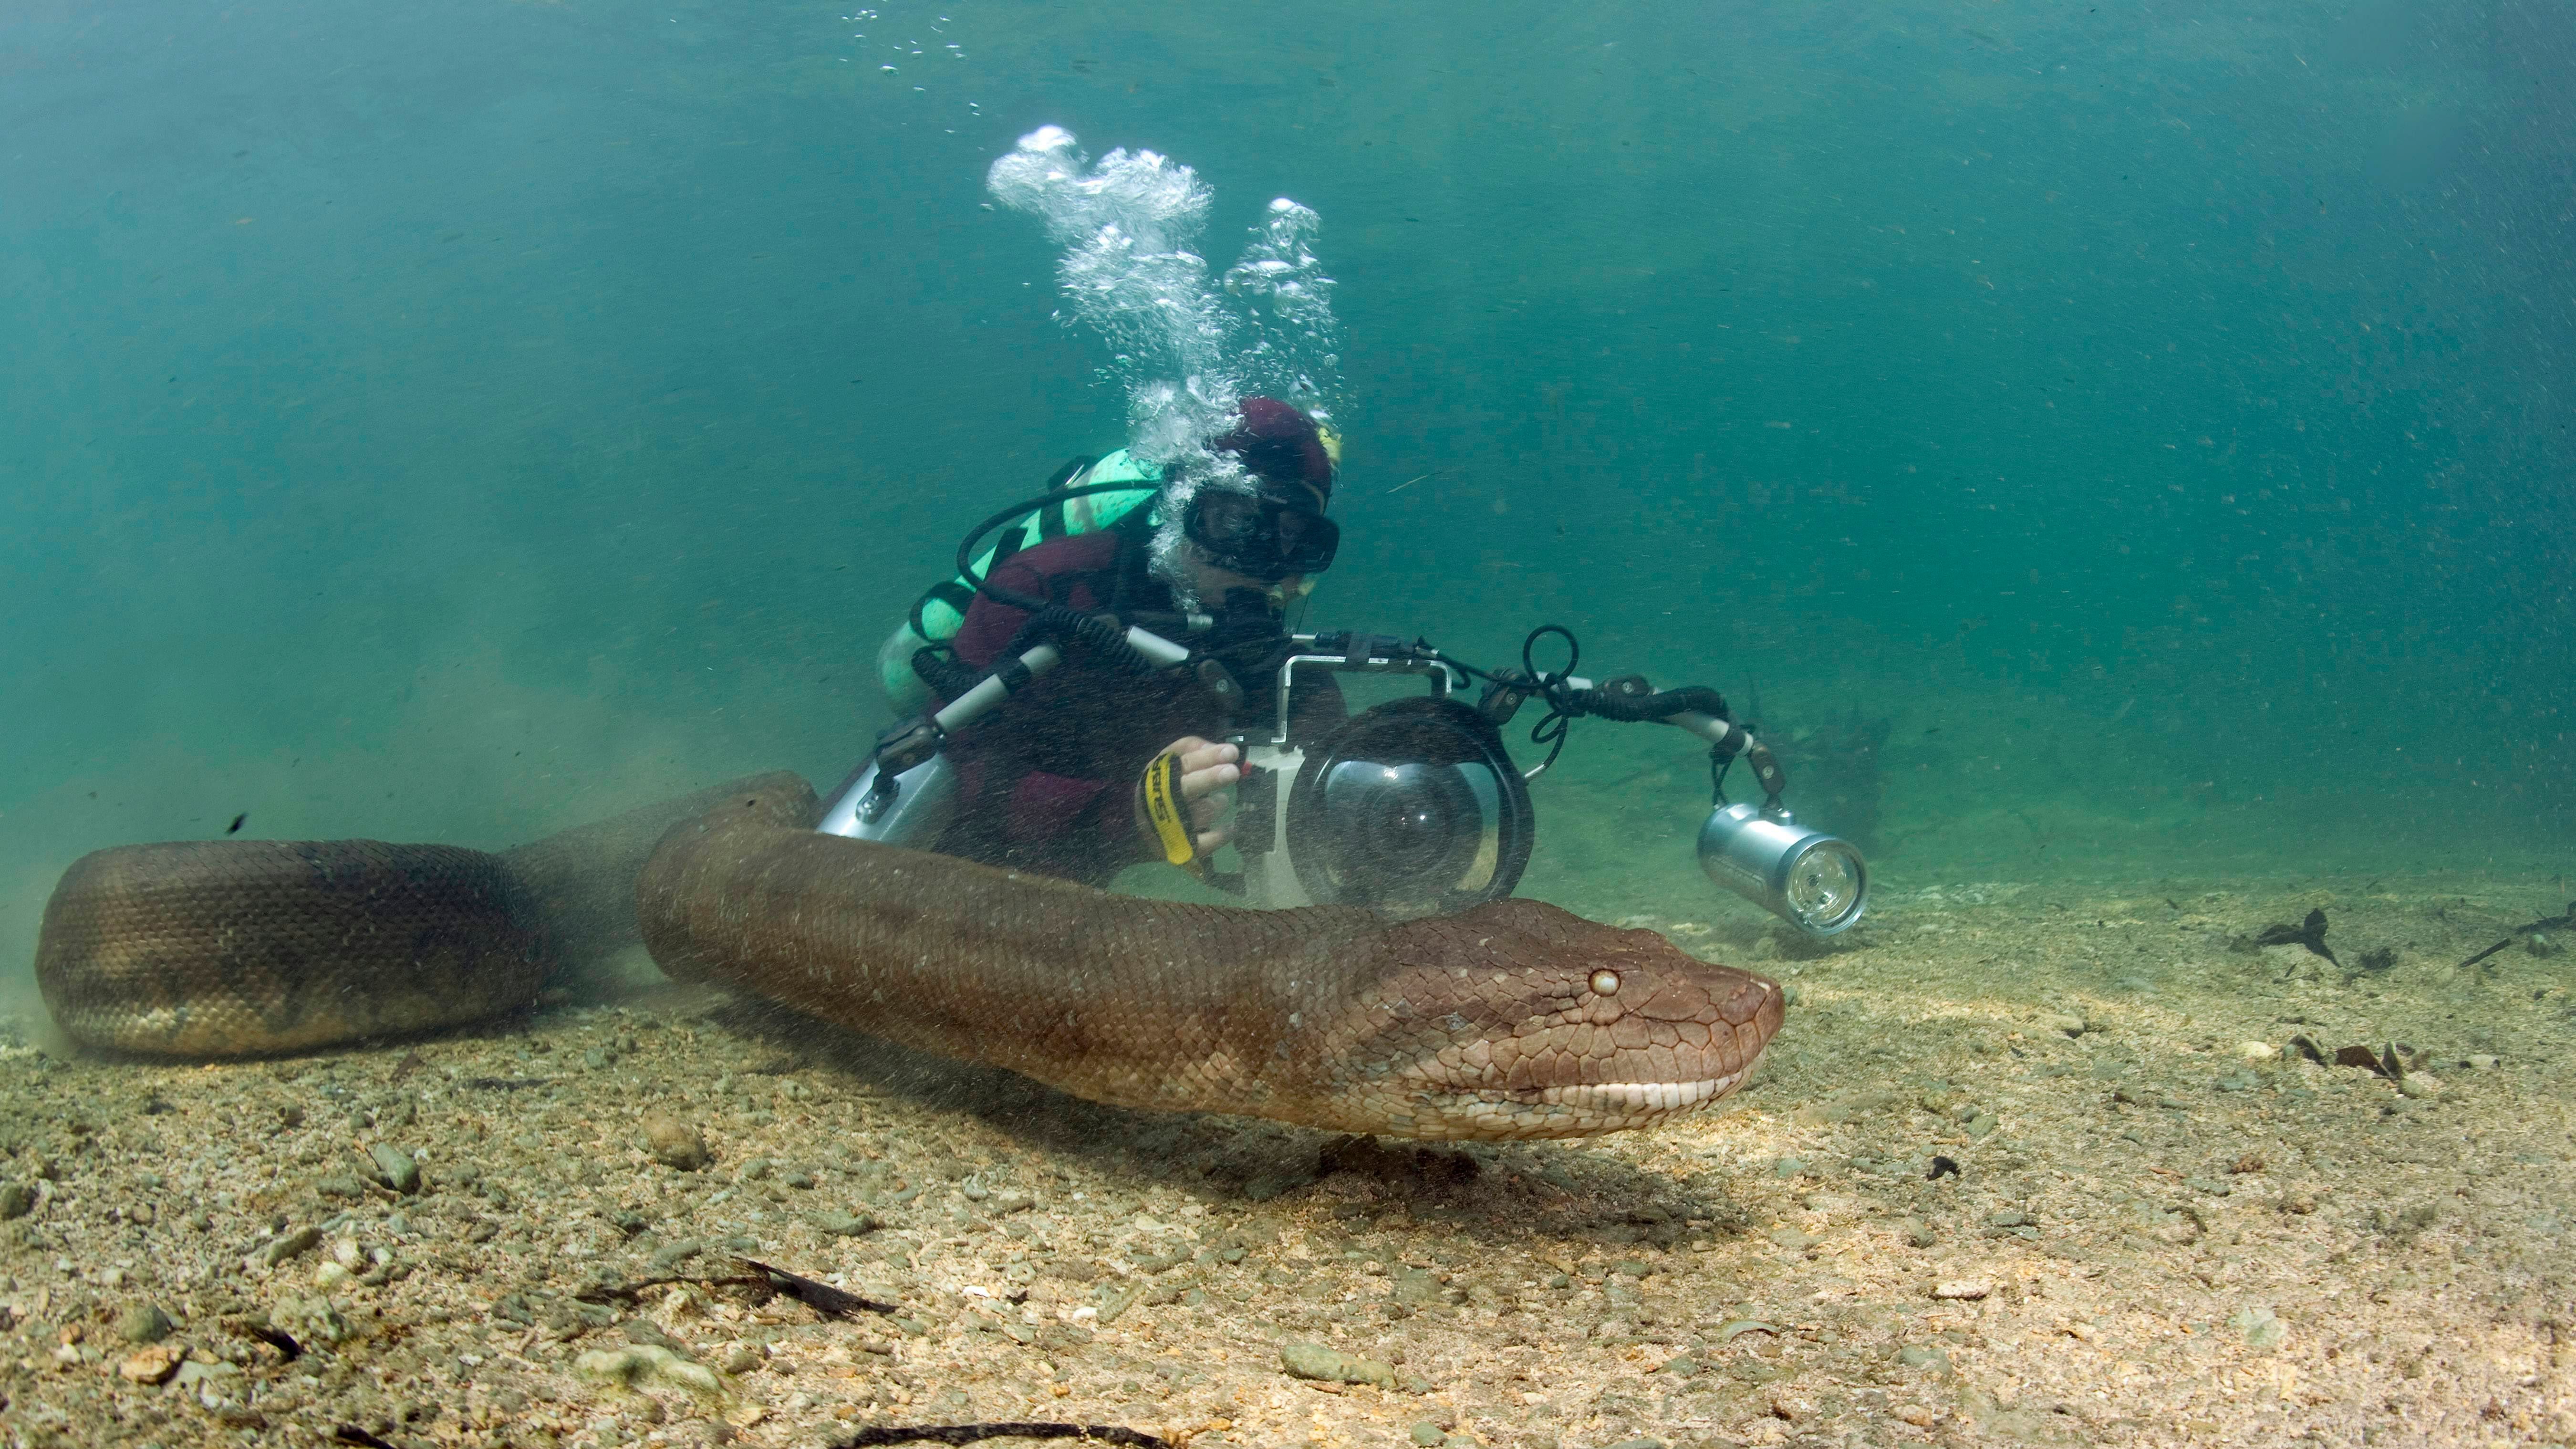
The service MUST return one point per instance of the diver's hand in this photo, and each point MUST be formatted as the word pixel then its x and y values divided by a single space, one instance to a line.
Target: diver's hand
pixel 1208 774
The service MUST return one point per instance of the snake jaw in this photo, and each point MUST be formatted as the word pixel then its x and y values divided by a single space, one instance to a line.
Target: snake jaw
pixel 1513 1040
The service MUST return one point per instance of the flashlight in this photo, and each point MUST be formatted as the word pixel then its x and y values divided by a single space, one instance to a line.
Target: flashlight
pixel 1805 877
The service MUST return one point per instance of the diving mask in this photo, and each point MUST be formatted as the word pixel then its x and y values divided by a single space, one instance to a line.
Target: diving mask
pixel 1258 536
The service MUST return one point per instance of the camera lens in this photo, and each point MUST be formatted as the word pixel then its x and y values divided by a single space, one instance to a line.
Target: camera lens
pixel 1401 824
pixel 1410 808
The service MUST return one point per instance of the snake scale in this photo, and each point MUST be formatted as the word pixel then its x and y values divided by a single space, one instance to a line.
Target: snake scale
pixel 1512 1020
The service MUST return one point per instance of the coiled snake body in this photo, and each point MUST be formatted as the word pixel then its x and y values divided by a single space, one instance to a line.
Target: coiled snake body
pixel 1515 1019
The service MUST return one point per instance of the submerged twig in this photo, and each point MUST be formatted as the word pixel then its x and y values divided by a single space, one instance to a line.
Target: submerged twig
pixel 2545 923
pixel 973 1433
pixel 2310 933
pixel 823 1298
pixel 765 1279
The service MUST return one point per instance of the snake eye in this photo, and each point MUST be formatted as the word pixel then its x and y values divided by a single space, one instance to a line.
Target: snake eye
pixel 1605 982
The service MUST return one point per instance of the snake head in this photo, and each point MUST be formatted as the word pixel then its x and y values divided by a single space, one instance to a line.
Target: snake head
pixel 1520 1020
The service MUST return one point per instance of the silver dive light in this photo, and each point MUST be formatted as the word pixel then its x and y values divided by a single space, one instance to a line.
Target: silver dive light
pixel 1805 877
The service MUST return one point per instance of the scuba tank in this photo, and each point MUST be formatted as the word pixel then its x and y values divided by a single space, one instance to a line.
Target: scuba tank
pixel 941 610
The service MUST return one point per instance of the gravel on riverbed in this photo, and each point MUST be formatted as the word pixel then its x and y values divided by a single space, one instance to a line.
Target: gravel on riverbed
pixel 2027 1163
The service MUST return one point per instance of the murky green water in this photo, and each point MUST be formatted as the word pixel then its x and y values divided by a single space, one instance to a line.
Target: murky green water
pixel 2146 430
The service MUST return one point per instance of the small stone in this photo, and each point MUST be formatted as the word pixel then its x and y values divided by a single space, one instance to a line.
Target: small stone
pixel 1917 1356
pixel 2007 1219
pixel 643 1365
pixel 1428 1435
pixel 2210 1185
pixel 1962 1290
pixel 1918 1234
pixel 2539 944
pixel 596 1060
pixel 2420 1084
pixel 1640 1442
pixel 143 1323
pixel 845 1225
pixel 153 1365
pixel 2063 1021
pixel 16 1201
pixel 395 1168
pixel 2478 1062
pixel 207 1372
pixel 742 1360
pixel 1314 1361
pixel 674 1143
pixel 2257 1051
pixel 340 1184
pixel 2261 1328
pixel 313 1320
pixel 302 1240
pixel 1982 1126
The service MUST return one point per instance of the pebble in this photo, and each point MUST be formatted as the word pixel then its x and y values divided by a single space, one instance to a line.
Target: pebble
pixel 143 1323
pixel 1963 1290
pixel 395 1168
pixel 315 1321
pixel 1919 1357
pixel 302 1240
pixel 2257 1051
pixel 153 1365
pixel 674 1143
pixel 2478 1061
pixel 845 1225
pixel 2420 1084
pixel 2064 1021
pixel 1314 1361
pixel 202 1371
pixel 641 1365
pixel 1428 1435
pixel 16 1201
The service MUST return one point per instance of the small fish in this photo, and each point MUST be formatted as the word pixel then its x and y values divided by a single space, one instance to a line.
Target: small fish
pixel 235 827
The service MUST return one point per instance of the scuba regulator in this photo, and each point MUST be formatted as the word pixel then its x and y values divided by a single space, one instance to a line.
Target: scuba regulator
pixel 1411 807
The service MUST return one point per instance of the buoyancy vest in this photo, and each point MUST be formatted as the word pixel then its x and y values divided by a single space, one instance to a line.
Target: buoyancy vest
pixel 941 610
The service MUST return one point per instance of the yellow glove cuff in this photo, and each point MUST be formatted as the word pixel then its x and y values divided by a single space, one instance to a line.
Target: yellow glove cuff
pixel 1169 813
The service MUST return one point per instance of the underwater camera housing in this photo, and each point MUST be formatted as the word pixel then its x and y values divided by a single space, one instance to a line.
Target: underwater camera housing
pixel 1412 807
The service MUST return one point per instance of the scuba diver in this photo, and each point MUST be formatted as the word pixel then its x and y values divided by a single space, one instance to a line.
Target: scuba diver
pixel 1239 537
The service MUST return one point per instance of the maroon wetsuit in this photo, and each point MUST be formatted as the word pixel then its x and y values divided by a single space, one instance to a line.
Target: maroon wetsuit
pixel 1046 782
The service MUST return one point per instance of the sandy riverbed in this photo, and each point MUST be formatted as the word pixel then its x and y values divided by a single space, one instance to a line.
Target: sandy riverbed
pixel 2155 1233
